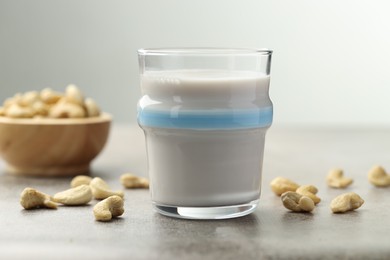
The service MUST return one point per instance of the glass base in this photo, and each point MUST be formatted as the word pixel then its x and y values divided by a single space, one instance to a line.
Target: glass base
pixel 223 212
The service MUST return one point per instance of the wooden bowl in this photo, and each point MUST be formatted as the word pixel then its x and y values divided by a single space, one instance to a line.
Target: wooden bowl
pixel 52 147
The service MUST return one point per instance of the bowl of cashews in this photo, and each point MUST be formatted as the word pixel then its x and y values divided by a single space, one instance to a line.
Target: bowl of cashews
pixel 49 133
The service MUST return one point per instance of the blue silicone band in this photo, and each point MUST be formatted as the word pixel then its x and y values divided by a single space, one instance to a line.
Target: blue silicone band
pixel 209 120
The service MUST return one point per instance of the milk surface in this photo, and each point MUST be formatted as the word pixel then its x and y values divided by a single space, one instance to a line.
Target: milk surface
pixel 199 165
pixel 204 89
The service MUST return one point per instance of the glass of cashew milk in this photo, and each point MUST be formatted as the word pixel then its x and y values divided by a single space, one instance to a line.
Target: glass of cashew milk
pixel 205 112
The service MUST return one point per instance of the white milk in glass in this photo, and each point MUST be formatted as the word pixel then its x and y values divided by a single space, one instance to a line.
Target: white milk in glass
pixel 205 132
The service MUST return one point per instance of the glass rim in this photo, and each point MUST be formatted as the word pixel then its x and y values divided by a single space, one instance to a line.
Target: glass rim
pixel 204 51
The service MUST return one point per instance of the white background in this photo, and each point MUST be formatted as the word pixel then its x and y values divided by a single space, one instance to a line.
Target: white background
pixel 330 66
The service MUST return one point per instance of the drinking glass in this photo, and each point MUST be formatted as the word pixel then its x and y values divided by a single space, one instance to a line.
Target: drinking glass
pixel 205 113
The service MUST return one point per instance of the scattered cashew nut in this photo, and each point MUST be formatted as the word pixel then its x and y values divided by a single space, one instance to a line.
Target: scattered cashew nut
pixel 296 202
pixel 131 181
pixel 346 202
pixel 31 199
pixel 79 195
pixel 309 191
pixel 80 180
pixel 378 177
pixel 336 179
pixel 101 190
pixel 106 209
pixel 281 185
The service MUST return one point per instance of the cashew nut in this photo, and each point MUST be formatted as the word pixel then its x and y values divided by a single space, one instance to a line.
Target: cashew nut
pixel 91 107
pixel 12 100
pixel 40 108
pixel 17 111
pixel 75 196
pixel 29 98
pixel 346 202
pixel 280 185
pixel 378 176
pixel 31 199
pixel 101 190
pixel 296 202
pixel 106 209
pixel 2 111
pixel 74 95
pixel 80 180
pixel 309 191
pixel 336 179
pixel 65 109
pixel 48 103
pixel 49 96
pixel 131 181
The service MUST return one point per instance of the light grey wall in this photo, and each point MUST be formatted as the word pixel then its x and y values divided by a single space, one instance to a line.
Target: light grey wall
pixel 330 65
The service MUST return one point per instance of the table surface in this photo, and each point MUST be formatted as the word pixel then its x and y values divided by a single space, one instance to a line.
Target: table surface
pixel 272 232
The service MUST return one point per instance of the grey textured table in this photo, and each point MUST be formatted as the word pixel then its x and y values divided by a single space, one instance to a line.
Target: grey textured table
pixel 272 232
